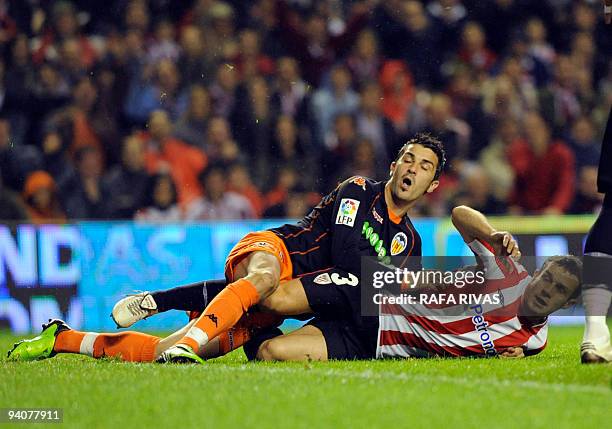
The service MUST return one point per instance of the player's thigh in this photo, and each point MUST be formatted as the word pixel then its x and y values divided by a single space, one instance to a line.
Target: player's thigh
pixel 262 269
pixel 306 343
pixel 289 299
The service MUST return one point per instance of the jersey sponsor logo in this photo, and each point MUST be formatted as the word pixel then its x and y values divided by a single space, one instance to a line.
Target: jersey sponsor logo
pixel 348 212
pixel 376 242
pixel 377 216
pixel 359 181
pixel 481 325
pixel 323 279
pixel 399 243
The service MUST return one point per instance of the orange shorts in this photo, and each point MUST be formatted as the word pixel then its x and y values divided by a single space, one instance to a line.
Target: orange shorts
pixel 260 241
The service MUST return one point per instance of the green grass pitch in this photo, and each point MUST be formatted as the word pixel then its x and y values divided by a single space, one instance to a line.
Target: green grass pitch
pixel 552 390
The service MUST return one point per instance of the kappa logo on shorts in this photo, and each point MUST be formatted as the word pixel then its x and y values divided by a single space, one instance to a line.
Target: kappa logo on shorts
pixel 359 181
pixel 348 212
pixel 323 279
pixel 399 243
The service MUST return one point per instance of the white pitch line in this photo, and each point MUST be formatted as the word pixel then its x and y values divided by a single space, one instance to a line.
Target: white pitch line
pixel 394 376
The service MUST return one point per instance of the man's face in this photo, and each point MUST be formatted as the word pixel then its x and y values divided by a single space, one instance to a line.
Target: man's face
pixel 412 175
pixel 159 125
pixel 549 290
pixel 133 154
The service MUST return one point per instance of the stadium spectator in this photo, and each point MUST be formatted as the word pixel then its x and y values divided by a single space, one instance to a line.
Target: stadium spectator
pixel 544 170
pixel 11 206
pixel 374 126
pixel 418 38
pixel 363 162
pixel 474 52
pixel 313 44
pixel 161 201
pixel 240 182
pixel 364 62
pixel 253 119
pixel 136 17
pixel 223 89
pixel 537 42
pixel 194 62
pixel 289 149
pixel 398 97
pixel 80 116
pixel 191 126
pixel 154 88
pixel 494 158
pixel 558 101
pixel 21 74
pixel 475 191
pixel 291 95
pixel 16 162
pixel 64 26
pixel 249 59
pixel 127 183
pixel 220 146
pixel 285 179
pixel 163 46
pixel 452 131
pixel 329 102
pixel 82 194
pixel 217 20
pixel 449 16
pixel 165 153
pixel 339 148
pixel 295 206
pixel 583 143
pixel 587 199
pixel 57 160
pixel 40 196
pixel 217 202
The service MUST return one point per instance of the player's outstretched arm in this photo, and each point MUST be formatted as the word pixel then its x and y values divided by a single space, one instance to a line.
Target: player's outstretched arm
pixel 473 225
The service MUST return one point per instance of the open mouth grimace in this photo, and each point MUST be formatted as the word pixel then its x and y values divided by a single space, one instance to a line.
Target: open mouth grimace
pixel 406 182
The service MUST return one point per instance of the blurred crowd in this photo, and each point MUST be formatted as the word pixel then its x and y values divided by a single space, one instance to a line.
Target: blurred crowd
pixel 204 109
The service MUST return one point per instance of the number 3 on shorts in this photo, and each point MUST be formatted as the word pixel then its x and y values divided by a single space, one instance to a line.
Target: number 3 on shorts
pixel 352 279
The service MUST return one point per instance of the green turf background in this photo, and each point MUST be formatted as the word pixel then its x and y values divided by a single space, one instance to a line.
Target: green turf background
pixel 552 390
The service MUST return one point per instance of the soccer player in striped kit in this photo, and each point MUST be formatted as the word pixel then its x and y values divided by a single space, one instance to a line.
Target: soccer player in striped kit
pixel 515 328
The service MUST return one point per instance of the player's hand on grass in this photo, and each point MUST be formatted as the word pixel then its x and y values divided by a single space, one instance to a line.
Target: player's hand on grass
pixel 512 353
pixel 507 243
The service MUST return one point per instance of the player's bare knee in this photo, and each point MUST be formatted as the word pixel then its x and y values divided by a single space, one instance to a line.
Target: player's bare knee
pixel 271 350
pixel 275 303
pixel 265 281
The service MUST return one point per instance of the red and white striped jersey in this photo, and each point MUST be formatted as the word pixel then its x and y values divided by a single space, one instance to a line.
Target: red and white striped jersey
pixel 487 329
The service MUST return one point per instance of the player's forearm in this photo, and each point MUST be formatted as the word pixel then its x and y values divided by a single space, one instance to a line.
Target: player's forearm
pixel 471 224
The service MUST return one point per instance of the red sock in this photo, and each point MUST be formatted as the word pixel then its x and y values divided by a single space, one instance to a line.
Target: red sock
pixel 129 346
pixel 222 313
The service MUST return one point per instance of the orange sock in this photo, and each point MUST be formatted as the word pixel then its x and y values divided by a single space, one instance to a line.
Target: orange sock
pixel 69 341
pixel 128 346
pixel 222 313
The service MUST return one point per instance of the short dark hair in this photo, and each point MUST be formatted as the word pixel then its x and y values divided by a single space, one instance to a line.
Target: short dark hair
pixel 430 142
pixel 572 265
